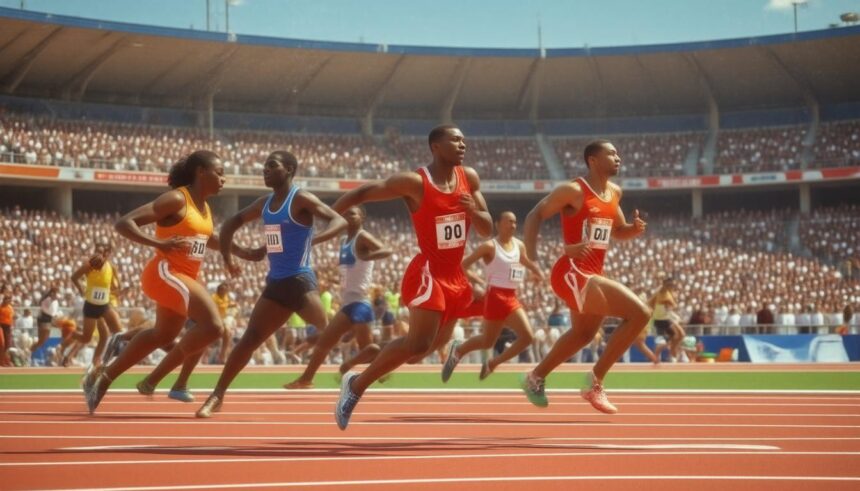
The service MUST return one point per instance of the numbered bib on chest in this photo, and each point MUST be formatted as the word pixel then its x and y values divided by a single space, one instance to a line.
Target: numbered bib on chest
pixel 99 296
pixel 518 273
pixel 273 239
pixel 198 247
pixel 599 230
pixel 451 231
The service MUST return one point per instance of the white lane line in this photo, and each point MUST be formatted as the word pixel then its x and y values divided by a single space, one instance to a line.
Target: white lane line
pixel 155 414
pixel 475 439
pixel 454 391
pixel 287 402
pixel 458 480
pixel 447 456
pixel 484 423
pixel 597 446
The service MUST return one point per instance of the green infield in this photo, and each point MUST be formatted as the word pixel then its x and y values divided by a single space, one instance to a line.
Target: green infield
pixel 645 380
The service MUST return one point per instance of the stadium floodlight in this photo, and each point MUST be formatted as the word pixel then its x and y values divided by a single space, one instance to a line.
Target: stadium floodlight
pixel 850 17
pixel 795 4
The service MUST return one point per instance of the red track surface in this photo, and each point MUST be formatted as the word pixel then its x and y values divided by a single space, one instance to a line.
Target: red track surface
pixel 462 441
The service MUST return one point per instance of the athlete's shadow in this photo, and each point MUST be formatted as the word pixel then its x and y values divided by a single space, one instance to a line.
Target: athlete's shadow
pixel 480 421
pixel 83 418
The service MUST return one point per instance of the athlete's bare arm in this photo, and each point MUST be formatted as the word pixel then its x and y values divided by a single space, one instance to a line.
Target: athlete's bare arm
pixel 246 253
pixel 483 251
pixel 165 210
pixel 229 227
pixel 311 205
pixel 369 248
pixel 568 196
pixel 622 230
pixel 528 263
pixel 405 185
pixel 476 205
pixel 78 274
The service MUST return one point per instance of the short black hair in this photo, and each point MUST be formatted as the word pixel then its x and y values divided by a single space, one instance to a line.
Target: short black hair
pixel 439 131
pixel 286 158
pixel 183 172
pixel 592 148
pixel 499 216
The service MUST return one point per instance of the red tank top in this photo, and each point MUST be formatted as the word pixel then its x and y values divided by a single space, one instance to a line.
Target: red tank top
pixel 592 223
pixel 441 223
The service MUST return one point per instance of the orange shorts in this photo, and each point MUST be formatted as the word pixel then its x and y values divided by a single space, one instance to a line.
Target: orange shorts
pixel 450 293
pixel 499 303
pixel 568 283
pixel 160 282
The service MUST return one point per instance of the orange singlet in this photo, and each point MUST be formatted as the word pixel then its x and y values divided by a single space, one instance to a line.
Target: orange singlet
pixel 160 279
pixel 593 224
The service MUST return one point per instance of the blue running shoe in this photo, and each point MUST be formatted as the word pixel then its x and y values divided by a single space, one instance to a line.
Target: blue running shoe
pixel 182 395
pixel 347 401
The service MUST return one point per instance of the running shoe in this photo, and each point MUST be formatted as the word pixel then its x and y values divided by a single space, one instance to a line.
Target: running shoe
pixel 593 393
pixel 299 384
pixel 112 348
pixel 347 401
pixel 485 370
pixel 451 362
pixel 94 388
pixel 533 387
pixel 212 405
pixel 144 388
pixel 182 395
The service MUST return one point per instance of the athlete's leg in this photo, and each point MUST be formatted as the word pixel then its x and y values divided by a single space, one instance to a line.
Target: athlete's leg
pixel 609 298
pixel 489 333
pixel 167 326
pixel 519 323
pixel 207 328
pixel 368 350
pixel 44 333
pixel 268 316
pixel 641 346
pixel 423 328
pixel 583 328
pixel 339 325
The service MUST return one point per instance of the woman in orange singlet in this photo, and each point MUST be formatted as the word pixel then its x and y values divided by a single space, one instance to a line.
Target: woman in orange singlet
pixel 183 231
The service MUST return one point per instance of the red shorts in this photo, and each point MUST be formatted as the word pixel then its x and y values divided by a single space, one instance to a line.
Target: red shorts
pixel 160 282
pixel 499 303
pixel 568 283
pixel 449 293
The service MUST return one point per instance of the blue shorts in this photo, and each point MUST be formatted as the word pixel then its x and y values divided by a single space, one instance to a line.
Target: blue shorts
pixel 359 312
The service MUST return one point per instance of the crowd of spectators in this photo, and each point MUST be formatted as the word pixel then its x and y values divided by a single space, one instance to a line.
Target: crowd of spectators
pixel 838 144
pixel 641 155
pixel 132 147
pixel 723 263
pixel 759 150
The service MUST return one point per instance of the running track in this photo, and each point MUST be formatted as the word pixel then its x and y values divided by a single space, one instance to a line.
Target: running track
pixel 432 441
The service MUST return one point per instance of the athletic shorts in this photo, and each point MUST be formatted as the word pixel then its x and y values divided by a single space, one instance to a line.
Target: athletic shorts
pixel 92 311
pixel 499 303
pixel 44 318
pixel 568 283
pixel 290 292
pixel 161 282
pixel 663 328
pixel 449 293
pixel 359 313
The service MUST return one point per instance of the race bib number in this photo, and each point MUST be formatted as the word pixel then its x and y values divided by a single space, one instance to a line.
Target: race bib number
pixel 599 230
pixel 451 231
pixel 273 239
pixel 198 247
pixel 518 273
pixel 99 296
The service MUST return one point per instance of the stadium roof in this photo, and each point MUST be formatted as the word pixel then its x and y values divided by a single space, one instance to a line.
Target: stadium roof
pixel 90 60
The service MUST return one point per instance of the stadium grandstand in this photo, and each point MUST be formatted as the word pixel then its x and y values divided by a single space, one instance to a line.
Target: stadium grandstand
pixel 94 114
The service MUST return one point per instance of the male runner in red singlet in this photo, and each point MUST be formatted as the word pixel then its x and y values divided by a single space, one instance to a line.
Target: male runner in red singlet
pixel 444 199
pixel 590 216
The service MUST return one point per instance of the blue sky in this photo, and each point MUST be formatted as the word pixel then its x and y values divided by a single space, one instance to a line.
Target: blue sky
pixel 473 23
